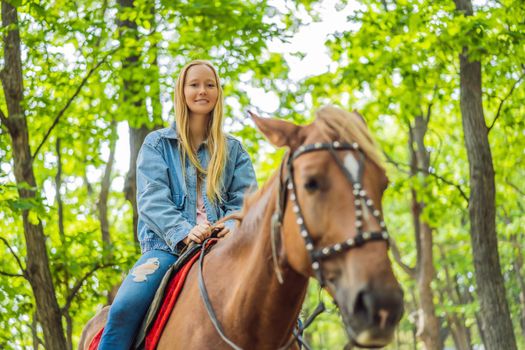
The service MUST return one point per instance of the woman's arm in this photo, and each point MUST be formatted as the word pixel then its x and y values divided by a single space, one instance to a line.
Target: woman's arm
pixel 154 197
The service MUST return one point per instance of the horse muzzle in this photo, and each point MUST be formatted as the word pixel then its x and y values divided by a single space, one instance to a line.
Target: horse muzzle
pixel 371 315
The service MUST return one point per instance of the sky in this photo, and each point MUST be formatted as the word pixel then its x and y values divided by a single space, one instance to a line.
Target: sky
pixel 310 40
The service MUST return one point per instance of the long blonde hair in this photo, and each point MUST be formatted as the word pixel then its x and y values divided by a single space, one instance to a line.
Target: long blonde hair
pixel 214 134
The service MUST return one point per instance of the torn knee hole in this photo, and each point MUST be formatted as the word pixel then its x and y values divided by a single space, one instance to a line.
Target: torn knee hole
pixel 140 272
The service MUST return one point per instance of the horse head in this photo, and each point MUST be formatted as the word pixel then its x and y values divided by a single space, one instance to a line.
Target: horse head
pixel 331 223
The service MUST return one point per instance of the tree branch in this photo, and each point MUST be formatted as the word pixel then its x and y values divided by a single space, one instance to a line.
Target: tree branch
pixel 442 179
pixel 515 187
pixel 63 110
pixel 385 5
pixel 3 118
pixel 24 272
pixel 73 292
pixel 430 105
pixel 411 271
pixel 500 107
pixel 11 274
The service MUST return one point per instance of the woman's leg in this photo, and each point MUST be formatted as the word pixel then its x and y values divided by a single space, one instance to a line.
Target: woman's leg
pixel 133 300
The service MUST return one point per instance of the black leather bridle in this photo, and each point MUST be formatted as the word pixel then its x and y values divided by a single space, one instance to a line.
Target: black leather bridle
pixel 360 196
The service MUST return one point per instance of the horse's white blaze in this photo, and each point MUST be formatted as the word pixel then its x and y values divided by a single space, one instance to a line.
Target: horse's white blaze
pixel 139 273
pixel 352 165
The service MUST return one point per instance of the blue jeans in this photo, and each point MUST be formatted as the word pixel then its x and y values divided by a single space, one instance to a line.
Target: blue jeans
pixel 133 299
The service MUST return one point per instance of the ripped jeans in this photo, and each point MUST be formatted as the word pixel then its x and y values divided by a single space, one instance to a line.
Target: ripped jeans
pixel 133 299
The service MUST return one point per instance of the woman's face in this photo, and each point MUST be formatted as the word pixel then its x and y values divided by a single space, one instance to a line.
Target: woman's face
pixel 200 89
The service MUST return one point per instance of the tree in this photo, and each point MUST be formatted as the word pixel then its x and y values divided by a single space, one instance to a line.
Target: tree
pixel 495 315
pixel 62 106
pixel 398 57
pixel 37 271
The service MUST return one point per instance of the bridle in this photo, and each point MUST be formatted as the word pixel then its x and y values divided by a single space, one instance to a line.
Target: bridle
pixel 288 185
pixel 316 255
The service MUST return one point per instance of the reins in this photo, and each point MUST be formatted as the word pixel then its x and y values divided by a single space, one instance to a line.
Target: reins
pixel 206 299
pixel 214 320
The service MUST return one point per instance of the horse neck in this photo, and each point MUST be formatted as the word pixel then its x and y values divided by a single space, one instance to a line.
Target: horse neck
pixel 255 285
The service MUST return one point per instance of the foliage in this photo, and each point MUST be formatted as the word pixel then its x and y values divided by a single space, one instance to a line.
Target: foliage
pixel 398 60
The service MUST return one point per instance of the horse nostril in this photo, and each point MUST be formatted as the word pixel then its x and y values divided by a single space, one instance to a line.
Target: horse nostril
pixel 381 308
pixel 364 305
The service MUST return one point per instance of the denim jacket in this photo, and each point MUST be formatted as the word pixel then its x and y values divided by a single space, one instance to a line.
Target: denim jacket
pixel 167 205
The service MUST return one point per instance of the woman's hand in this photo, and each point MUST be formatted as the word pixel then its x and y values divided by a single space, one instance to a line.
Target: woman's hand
pixel 221 230
pixel 198 234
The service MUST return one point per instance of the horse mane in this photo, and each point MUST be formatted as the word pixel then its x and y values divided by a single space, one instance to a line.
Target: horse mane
pixel 350 127
pixel 251 198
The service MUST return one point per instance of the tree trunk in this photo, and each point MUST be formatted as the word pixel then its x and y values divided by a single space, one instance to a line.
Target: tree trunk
pixel 494 310
pixel 460 332
pixel 518 269
pixel 132 91
pixel 104 193
pixel 412 316
pixel 136 138
pixel 457 323
pixel 38 271
pixel 63 241
pixel 465 297
pixel 429 325
pixel 102 206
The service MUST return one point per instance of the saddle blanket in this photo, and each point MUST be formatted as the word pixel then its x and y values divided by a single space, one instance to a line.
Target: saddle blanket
pixel 165 299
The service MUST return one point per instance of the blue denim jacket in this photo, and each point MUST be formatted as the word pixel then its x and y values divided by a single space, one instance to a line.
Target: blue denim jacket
pixel 167 205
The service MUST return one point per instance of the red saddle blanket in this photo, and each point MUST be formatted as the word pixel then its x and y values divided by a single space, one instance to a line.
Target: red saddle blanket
pixel 170 297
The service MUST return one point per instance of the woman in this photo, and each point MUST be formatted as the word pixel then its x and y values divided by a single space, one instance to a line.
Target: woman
pixel 188 176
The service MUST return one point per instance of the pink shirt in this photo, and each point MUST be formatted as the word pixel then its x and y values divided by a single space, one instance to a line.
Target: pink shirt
pixel 201 210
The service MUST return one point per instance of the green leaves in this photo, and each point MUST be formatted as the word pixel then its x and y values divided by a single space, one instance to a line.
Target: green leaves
pixel 400 64
pixel 397 61
pixel 81 72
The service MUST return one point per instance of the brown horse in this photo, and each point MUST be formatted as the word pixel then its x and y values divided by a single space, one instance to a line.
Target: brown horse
pixel 320 216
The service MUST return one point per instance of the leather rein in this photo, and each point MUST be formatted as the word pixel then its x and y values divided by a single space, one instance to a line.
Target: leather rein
pixel 316 255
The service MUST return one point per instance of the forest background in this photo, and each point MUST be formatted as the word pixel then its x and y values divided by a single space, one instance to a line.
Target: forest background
pixel 440 84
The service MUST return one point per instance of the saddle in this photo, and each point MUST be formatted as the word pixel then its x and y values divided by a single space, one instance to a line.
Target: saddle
pixel 165 298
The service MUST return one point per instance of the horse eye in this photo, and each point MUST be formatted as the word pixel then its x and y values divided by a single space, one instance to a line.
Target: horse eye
pixel 311 185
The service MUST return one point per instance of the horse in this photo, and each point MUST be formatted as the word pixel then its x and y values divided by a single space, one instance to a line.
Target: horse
pixel 320 216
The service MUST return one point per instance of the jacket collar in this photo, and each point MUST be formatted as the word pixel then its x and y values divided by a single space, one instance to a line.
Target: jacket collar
pixel 171 133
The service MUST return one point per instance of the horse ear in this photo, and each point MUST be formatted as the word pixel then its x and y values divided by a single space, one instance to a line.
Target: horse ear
pixel 279 132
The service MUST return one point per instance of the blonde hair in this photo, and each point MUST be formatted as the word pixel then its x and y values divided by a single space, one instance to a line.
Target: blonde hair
pixel 216 138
